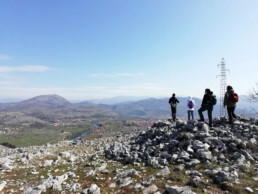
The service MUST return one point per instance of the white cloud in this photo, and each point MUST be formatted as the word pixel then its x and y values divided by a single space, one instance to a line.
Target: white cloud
pixel 5 57
pixel 116 74
pixel 11 81
pixel 7 83
pixel 25 68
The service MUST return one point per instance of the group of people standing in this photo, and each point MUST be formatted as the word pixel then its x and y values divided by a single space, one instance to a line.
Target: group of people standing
pixel 208 101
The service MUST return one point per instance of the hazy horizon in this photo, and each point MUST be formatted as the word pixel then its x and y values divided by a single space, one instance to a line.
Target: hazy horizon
pixel 115 99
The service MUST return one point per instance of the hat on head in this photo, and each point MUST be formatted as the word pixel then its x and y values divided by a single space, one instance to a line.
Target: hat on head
pixel 229 87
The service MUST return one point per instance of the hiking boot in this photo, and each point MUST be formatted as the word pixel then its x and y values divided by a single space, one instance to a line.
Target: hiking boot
pixel 210 125
pixel 200 120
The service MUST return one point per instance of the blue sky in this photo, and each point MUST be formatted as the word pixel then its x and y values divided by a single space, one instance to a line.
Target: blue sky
pixel 96 49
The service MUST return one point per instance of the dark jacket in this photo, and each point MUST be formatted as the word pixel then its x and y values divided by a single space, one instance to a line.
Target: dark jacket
pixel 173 100
pixel 206 99
pixel 227 99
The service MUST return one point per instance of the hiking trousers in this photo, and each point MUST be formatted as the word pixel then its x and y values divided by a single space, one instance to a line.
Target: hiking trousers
pixel 231 113
pixel 173 110
pixel 209 108
pixel 190 113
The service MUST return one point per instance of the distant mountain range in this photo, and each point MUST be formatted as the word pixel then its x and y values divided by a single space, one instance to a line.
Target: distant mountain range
pixel 54 107
pixel 49 108
pixel 117 100
pixel 152 107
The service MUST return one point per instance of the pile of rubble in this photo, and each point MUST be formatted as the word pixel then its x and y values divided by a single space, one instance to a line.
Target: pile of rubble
pixel 190 143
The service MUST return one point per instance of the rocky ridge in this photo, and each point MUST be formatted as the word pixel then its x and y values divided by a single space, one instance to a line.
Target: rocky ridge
pixel 181 157
pixel 192 143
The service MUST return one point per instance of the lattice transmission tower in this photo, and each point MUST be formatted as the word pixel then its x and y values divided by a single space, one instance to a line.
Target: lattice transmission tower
pixel 223 85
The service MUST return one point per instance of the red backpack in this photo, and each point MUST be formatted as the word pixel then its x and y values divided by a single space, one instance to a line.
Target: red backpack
pixel 234 97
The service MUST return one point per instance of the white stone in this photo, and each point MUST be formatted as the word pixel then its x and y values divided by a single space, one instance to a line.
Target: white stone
pixel 255 178
pixel 2 185
pixel 165 171
pixel 64 154
pixel 179 190
pixel 112 185
pixel 47 163
pixel 151 189
pixel 249 190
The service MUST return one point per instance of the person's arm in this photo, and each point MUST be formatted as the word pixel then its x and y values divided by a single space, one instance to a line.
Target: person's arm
pixel 204 100
pixel 177 101
pixel 169 100
pixel 225 99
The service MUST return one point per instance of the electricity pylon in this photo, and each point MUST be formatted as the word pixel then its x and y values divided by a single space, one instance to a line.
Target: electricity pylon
pixel 223 85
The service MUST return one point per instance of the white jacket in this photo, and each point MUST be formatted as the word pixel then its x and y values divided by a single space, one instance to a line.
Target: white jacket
pixel 190 99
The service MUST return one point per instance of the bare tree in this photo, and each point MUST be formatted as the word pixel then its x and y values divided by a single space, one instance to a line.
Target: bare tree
pixel 253 94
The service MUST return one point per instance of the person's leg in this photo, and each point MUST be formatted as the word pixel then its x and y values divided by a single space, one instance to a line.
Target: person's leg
pixel 230 117
pixel 188 114
pixel 200 112
pixel 174 113
pixel 192 114
pixel 228 111
pixel 233 112
pixel 210 114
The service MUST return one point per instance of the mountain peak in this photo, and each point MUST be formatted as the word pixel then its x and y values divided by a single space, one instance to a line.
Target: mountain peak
pixel 47 101
pixel 48 96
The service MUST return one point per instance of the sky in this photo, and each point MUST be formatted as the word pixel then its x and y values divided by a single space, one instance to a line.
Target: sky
pixel 95 49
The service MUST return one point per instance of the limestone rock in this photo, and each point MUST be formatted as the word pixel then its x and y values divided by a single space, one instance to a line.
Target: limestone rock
pixel 94 189
pixel 124 182
pixel 165 171
pixel 148 181
pixel 179 190
pixel 2 185
pixel 151 189
pixel 138 187
pixel 249 190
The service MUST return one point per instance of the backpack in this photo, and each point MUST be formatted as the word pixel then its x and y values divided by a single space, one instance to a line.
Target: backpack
pixel 190 104
pixel 234 97
pixel 213 100
pixel 173 103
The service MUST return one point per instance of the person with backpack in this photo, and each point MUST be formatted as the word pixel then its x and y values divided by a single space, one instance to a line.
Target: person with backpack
pixel 173 103
pixel 209 100
pixel 230 100
pixel 190 105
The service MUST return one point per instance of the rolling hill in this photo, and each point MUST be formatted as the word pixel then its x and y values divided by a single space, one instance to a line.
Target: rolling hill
pixel 21 119
pixel 54 107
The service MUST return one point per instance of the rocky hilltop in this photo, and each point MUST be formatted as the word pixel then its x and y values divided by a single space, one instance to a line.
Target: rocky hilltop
pixel 181 157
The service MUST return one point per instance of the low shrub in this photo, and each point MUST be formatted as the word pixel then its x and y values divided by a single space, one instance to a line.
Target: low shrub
pixel 6 144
